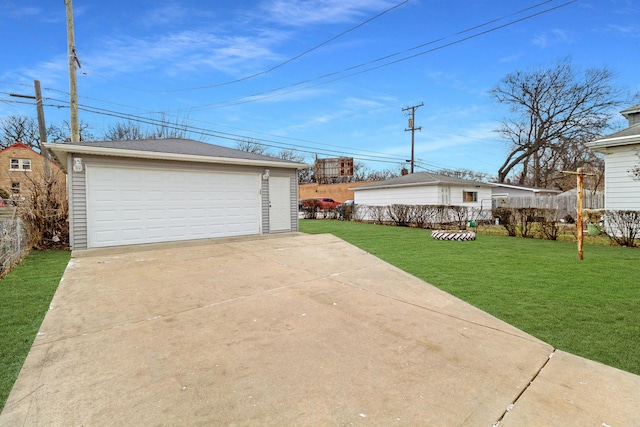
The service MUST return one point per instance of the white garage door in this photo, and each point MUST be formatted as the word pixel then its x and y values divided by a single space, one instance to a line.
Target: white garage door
pixel 131 206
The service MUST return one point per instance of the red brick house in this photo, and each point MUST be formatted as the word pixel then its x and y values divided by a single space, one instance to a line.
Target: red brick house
pixel 19 166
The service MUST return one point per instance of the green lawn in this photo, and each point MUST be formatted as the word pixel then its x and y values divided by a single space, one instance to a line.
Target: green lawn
pixel 25 295
pixel 590 307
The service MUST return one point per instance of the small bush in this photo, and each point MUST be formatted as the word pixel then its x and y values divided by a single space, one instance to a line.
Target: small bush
pixel 309 208
pixel 550 223
pixel 4 194
pixel 401 215
pixel 45 211
pixel 348 212
pixel 507 219
pixel 377 214
pixel 622 226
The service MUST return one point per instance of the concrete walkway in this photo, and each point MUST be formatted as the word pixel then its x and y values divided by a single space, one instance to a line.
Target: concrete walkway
pixel 291 330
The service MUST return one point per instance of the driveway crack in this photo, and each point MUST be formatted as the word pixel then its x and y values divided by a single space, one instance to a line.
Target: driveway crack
pixel 513 403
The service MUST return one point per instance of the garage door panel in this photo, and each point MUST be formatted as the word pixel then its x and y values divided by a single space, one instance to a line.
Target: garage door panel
pixel 128 206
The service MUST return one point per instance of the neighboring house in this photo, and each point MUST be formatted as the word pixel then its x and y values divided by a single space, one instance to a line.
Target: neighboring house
pixel 19 167
pixel 148 191
pixel 622 164
pixel 425 188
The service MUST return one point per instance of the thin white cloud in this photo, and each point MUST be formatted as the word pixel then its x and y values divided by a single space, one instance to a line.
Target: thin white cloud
pixel 552 38
pixel 187 50
pixel 625 30
pixel 305 12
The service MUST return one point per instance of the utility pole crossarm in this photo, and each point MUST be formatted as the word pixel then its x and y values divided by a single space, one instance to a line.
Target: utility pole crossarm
pixel 412 127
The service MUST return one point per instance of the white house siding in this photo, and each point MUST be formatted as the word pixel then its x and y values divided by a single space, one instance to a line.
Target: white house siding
pixel 415 195
pixel 622 192
pixel 423 195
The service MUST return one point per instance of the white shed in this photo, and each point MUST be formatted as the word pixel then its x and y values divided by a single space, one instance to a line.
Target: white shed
pixel 425 188
pixel 622 164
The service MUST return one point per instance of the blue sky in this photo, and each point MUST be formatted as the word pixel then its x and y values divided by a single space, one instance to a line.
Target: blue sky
pixel 321 76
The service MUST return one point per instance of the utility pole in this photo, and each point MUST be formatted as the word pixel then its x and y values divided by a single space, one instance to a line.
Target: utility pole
pixel 42 127
pixel 580 174
pixel 412 127
pixel 73 87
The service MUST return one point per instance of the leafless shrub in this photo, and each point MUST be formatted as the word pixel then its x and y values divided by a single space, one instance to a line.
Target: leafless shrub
pixel 441 216
pixel 309 208
pixel 461 216
pixel 377 214
pixel 348 212
pixel 622 226
pixel 421 215
pixel 525 218
pixel 45 211
pixel 507 219
pixel 401 215
pixel 550 223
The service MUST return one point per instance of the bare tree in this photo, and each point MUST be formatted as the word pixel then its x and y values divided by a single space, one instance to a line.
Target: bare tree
pixel 161 128
pixel 123 131
pixel 19 129
pixel 556 111
pixel 466 174
pixel 62 133
pixel 252 146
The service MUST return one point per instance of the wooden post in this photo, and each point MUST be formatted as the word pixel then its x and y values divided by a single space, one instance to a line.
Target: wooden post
pixel 579 217
pixel 73 86
pixel 42 127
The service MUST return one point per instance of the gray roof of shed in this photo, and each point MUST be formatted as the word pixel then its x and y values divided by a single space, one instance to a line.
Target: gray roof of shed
pixel 170 149
pixel 420 178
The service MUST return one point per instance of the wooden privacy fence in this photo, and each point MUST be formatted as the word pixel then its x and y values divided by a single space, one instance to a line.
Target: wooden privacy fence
pixel 565 204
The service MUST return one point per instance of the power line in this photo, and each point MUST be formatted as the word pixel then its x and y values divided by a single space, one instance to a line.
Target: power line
pixel 275 67
pixel 236 137
pixel 294 87
pixel 282 90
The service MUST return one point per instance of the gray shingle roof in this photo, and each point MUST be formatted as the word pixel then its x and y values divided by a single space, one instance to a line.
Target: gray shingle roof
pixel 179 146
pixel 420 178
pixel 630 131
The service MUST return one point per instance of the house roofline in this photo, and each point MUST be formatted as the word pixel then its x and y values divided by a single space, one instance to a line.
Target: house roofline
pixel 62 151
pixel 599 144
pixel 421 184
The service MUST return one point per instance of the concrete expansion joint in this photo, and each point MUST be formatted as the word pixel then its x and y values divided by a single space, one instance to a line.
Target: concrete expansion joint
pixel 515 401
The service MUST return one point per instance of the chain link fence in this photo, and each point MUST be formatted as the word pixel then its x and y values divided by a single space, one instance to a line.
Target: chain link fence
pixel 14 243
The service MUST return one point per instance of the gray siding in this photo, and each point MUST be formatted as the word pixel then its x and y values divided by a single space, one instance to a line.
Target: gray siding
pixel 294 202
pixel 265 206
pixel 78 210
pixel 78 188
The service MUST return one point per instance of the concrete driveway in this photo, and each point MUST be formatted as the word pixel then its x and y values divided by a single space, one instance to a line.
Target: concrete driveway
pixel 291 330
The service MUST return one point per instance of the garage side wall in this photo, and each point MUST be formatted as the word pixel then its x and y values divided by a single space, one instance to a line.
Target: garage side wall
pixel 78 227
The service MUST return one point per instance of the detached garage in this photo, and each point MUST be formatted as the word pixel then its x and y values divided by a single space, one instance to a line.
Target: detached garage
pixel 150 191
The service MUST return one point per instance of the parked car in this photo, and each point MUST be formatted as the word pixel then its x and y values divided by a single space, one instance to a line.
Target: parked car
pixel 326 203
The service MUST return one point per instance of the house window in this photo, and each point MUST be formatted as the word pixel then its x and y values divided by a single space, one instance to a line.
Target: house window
pixel 469 196
pixel 20 165
pixel 15 187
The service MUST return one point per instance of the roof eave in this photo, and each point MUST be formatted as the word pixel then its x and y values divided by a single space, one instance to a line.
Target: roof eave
pixel 420 184
pixel 604 143
pixel 61 152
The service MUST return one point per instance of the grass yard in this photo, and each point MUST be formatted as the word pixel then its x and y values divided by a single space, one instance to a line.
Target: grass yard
pixel 590 308
pixel 25 295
